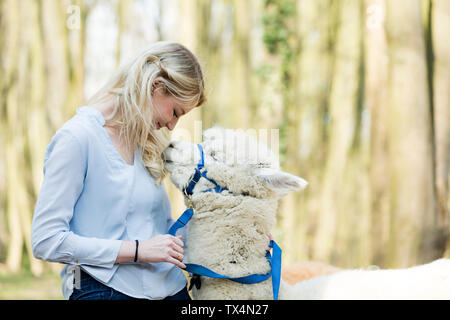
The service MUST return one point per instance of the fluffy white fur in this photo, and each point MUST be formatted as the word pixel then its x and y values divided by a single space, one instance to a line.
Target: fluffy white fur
pixel 229 231
pixel 424 282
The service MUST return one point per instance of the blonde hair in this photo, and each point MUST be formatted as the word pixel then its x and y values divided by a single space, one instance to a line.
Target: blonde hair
pixel 179 72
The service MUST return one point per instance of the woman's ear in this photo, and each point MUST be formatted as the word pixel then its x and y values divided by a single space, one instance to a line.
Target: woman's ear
pixel 156 85
pixel 280 182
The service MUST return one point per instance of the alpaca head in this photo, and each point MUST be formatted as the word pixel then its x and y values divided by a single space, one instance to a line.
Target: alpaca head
pixel 235 160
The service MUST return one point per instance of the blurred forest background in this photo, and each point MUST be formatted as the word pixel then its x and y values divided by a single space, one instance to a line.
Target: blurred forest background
pixel 358 89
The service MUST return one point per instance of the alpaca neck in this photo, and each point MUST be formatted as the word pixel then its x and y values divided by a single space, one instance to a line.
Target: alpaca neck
pixel 230 233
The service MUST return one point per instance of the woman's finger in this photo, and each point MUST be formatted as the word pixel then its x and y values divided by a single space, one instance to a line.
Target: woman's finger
pixel 176 262
pixel 178 249
pixel 178 241
pixel 176 255
pixel 176 244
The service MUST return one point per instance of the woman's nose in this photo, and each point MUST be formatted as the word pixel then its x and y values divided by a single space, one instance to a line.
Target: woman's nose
pixel 171 125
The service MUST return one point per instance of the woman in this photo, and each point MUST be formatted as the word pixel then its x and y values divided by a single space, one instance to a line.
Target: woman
pixel 102 207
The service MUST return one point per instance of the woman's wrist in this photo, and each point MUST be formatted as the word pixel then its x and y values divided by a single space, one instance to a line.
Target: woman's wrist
pixel 126 252
pixel 161 248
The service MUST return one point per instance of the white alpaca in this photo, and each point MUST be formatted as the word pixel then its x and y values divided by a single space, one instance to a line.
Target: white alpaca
pixel 228 232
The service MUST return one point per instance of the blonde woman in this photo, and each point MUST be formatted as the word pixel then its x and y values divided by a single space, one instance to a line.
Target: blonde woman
pixel 102 209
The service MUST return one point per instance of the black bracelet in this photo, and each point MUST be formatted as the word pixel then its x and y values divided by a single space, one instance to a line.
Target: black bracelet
pixel 136 253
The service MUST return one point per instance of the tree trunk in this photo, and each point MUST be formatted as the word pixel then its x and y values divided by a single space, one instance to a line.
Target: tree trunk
pixel 123 13
pixel 241 64
pixel 10 46
pixel 313 85
pixel 440 29
pixel 20 95
pixel 3 185
pixel 8 50
pixel 376 91
pixel 38 133
pixel 209 49
pixel 342 111
pixel 76 35
pixel 55 46
pixel 413 214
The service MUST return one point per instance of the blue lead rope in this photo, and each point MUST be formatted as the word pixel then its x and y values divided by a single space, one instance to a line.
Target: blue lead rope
pixel 274 261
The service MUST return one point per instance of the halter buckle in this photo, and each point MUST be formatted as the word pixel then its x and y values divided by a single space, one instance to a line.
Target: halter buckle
pixel 189 199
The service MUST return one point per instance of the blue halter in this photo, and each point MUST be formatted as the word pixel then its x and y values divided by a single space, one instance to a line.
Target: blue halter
pixel 198 270
pixel 200 171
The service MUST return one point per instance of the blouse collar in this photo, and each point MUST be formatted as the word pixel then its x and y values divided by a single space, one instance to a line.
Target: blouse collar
pixel 92 113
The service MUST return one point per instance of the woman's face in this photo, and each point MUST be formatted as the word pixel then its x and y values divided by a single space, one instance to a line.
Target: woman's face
pixel 167 110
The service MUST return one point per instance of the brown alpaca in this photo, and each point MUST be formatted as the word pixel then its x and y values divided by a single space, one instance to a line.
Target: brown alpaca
pixel 301 271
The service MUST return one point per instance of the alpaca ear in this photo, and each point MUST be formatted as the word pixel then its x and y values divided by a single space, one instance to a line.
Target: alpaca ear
pixel 279 181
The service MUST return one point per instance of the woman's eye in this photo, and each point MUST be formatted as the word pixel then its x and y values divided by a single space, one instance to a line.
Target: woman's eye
pixel 175 114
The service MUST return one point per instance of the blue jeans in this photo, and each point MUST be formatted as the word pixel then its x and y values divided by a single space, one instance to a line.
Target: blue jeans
pixel 91 289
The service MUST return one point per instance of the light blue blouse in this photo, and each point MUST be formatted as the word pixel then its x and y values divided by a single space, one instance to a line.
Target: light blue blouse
pixel 90 201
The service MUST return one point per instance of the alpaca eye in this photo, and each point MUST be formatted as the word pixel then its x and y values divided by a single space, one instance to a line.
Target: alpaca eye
pixel 213 155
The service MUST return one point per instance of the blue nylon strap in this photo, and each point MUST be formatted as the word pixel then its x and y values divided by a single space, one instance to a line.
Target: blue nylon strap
pixel 275 261
pixel 203 271
pixel 275 273
pixel 201 164
pixel 196 177
pixel 193 182
pixel 198 174
pixel 217 189
pixel 181 221
pixel 276 268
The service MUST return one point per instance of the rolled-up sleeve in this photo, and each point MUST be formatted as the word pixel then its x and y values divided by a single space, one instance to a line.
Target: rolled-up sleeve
pixel 65 168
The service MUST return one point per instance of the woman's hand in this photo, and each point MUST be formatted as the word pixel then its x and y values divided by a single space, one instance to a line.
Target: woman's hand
pixel 162 248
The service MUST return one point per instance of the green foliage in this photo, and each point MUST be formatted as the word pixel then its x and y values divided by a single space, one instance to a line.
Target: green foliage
pixel 276 32
pixel 280 40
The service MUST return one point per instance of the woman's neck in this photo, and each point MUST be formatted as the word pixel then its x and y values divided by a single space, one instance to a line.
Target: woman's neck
pixel 107 106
